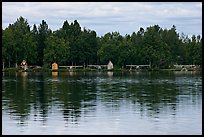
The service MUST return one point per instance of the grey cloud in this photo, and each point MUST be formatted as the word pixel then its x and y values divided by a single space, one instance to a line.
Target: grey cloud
pixel 108 16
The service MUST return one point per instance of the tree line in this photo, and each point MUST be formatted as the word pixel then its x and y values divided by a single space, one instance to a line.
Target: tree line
pixel 72 45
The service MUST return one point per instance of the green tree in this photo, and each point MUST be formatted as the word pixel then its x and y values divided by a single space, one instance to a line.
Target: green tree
pixel 7 47
pixel 88 47
pixel 57 50
pixel 18 42
pixel 157 51
pixel 69 45
pixel 71 33
pixel 109 48
pixel 43 33
pixel 194 50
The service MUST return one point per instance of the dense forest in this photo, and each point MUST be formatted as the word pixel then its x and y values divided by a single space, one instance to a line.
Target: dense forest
pixel 72 45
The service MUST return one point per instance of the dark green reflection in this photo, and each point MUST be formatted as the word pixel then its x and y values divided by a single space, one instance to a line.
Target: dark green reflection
pixel 74 93
pixel 16 95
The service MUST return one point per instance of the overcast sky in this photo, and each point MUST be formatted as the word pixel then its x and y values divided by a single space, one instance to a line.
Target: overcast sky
pixel 104 17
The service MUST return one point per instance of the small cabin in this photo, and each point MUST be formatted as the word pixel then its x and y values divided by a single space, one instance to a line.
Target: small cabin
pixel 110 65
pixel 54 66
pixel 24 65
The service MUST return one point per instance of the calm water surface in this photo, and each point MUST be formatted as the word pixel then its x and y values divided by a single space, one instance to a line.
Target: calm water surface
pixel 102 103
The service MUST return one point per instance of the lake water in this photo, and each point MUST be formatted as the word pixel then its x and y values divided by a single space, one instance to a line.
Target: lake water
pixel 68 103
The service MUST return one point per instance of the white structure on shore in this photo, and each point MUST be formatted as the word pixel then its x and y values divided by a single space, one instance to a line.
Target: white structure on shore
pixel 24 65
pixel 110 65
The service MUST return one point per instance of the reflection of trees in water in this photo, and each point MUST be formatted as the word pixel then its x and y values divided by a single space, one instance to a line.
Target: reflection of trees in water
pixel 151 94
pixel 21 94
pixel 70 97
pixel 152 98
pixel 76 95
pixel 18 96
pixel 41 99
pixel 40 93
pixel 190 88
pixel 155 98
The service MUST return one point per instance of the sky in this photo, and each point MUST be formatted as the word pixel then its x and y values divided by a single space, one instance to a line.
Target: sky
pixel 104 17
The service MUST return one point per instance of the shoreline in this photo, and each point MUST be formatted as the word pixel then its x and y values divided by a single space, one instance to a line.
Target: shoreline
pixel 96 70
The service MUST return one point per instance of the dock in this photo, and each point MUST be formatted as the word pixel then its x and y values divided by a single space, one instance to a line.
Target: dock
pixel 97 66
pixel 71 67
pixel 138 66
